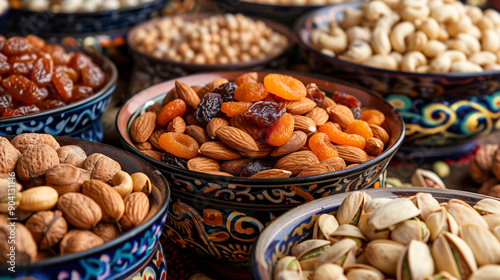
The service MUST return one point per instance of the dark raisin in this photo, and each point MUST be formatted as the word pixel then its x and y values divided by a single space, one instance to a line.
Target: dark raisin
pixel 227 91
pixel 264 113
pixel 356 111
pixel 208 108
pixel 256 166
pixel 346 99
pixel 173 160
pixel 314 93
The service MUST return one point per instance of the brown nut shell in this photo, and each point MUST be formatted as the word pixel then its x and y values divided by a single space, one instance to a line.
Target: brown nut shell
pixel 107 198
pixel 101 167
pixel 47 228
pixel 136 210
pixel 79 210
pixel 77 240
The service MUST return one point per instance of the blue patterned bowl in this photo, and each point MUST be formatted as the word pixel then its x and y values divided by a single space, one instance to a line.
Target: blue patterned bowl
pixel 220 217
pixel 75 119
pixel 438 109
pixel 296 225
pixel 120 258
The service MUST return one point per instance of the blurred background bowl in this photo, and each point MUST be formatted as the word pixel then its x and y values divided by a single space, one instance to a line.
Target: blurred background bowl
pixel 439 110
pixel 79 119
pixel 122 257
pixel 296 225
pixel 219 217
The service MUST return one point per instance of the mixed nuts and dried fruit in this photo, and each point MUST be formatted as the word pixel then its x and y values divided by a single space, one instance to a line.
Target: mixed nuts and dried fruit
pixel 218 39
pixel 276 128
pixel 296 2
pixel 36 76
pixel 76 6
pixel 65 201
pixel 484 169
pixel 402 238
pixel 415 36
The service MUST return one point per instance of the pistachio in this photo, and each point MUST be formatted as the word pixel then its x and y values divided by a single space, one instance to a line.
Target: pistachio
pixel 427 178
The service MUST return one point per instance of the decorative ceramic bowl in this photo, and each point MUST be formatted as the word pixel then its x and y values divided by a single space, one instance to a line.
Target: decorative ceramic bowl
pixel 75 119
pixel 168 69
pixel 122 257
pixel 294 226
pixel 220 217
pixel 438 109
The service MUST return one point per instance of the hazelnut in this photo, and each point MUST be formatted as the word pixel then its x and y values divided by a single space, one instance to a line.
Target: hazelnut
pixel 26 140
pixel 71 154
pixel 107 231
pixel 77 240
pixel 34 161
pixel 8 156
pixel 47 228
pixel 101 167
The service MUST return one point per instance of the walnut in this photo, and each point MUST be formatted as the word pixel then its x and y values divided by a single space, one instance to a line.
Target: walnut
pixel 47 228
pixel 35 161
pixel 26 248
pixel 481 165
pixel 495 168
pixel 77 240
pixel 107 231
pixel 26 140
pixel 488 185
pixel 71 154
pixel 66 178
pixel 101 167
pixel 8 156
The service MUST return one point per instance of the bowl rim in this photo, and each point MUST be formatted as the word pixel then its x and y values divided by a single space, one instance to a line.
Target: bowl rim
pixel 162 208
pixel 311 208
pixel 275 26
pixel 108 88
pixel 259 182
pixel 299 33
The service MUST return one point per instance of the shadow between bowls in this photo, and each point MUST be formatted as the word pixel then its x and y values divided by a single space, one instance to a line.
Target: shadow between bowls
pixel 121 257
pixel 438 109
pixel 69 119
pixel 296 225
pixel 220 217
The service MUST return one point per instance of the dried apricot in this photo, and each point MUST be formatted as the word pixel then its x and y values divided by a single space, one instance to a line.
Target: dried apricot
pixel 341 138
pixel 175 108
pixel 360 128
pixel 278 133
pixel 322 147
pixel 180 145
pixel 246 78
pixel 232 109
pixel 251 92
pixel 373 117
pixel 284 86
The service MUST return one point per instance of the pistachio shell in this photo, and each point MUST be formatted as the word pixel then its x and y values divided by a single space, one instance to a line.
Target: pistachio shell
pixel 426 203
pixel 420 263
pixel 287 263
pixel 493 220
pixel 496 232
pixel 348 231
pixel 309 245
pixel 362 272
pixel 342 253
pixel 392 213
pixel 441 221
pixel 464 214
pixel 370 232
pixel 373 204
pixel 329 271
pixel 486 272
pixel 325 225
pixel 410 230
pixel 352 207
pixel 384 255
pixel 442 275
pixel 287 275
pixel 488 206
pixel 418 179
pixel 444 259
pixel 483 243
pixel 307 275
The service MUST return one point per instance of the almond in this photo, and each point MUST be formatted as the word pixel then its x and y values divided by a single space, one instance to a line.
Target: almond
pixel 187 94
pixel 305 124
pixel 273 173
pixel 380 133
pixel 144 146
pixel 237 139
pixel 153 139
pixel 327 103
pixel 214 125
pixel 177 124
pixel 351 154
pixel 316 169
pixel 219 173
pixel 336 162
pixel 342 115
pixel 318 115
pixel 155 108
pixel 218 150
pixel 264 151
pixel 297 161
pixel 191 120
pixel 300 107
pixel 107 198
pixel 171 95
pixel 203 164
pixel 136 210
pixel 295 143
pixel 374 146
pixel 234 166
pixel 239 121
pixel 153 154
pixel 79 210
pixel 198 133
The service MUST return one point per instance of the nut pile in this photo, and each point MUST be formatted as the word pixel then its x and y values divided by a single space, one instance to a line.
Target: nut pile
pixel 218 39
pixel 296 2
pixel 415 36
pixel 275 129
pixel 484 168
pixel 36 76
pixel 4 5
pixel 67 202
pixel 403 239
pixel 77 6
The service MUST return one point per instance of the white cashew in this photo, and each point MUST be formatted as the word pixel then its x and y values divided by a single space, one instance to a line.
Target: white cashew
pixel 328 52
pixel 412 10
pixel 465 67
pixel 382 61
pixel 412 60
pixel 485 24
pixel 376 9
pixel 483 58
pixel 352 17
pixel 399 33
pixel 493 15
pixel 122 183
pixel 315 34
pixel 417 41
pixel 442 63
pixel 473 44
pixel 474 13
pixel 380 41
pixel 459 7
pixel 490 40
pixel 398 57
pixel 358 51
pixel 393 4
pixel 358 33
pixel 434 48
pixel 492 67
pixel 423 69
pixel 443 34
pixel 430 27
pixel 336 42
pixel 462 26
pixel 386 22
pixel 475 32
pixel 445 14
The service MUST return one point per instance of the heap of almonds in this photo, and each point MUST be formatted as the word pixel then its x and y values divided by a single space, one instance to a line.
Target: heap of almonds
pixel 272 129
pixel 484 169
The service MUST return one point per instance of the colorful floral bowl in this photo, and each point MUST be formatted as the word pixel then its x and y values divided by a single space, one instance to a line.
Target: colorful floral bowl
pixel 220 217
pixel 120 258
pixel 296 225
pixel 438 109
pixel 75 119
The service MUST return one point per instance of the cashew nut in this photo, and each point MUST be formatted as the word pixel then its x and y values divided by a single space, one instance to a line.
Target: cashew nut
pixel 376 9
pixel 431 28
pixel 475 32
pixel 398 57
pixel 474 13
pixel 141 183
pixel 412 10
pixel 328 52
pixel 393 4
pixel 386 22
pixel 335 41
pixel 315 34
pixel 412 60
pixel 492 67
pixel 442 33
pixel 122 183
pixel 493 15
pixel 490 41
pixel 465 67
pixel 358 51
pixel 483 58
pixel 434 48
pixel 442 63
pixel 445 14
pixel 465 43
pixel 423 69
pixel 417 41
pixel 352 17
pixel 485 24
pixel 462 26
pixel 380 41
pixel 358 33
pixel 399 33
pixel 382 61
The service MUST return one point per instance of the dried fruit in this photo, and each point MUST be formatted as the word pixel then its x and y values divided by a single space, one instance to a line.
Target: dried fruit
pixel 360 128
pixel 345 99
pixel 278 133
pixel 295 143
pixel 208 108
pixel 373 117
pixel 63 85
pixel 232 109
pixel 246 78
pixel 256 166
pixel 93 76
pixel 264 113
pixel 338 137
pixel 251 92
pixel 227 91
pixel 23 90
pixel 180 145
pixel 173 160
pixel 284 86
pixel 315 94
pixel 321 146
pixel 174 108
pixel 41 74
